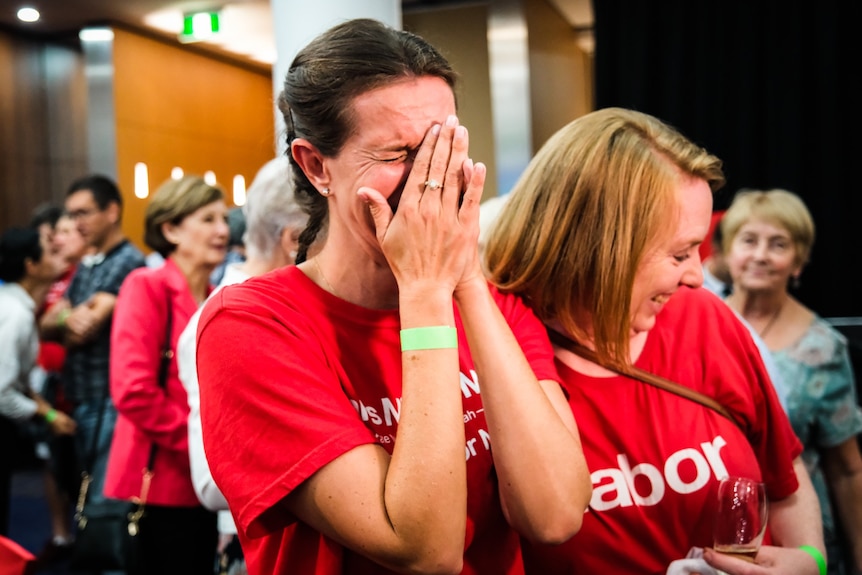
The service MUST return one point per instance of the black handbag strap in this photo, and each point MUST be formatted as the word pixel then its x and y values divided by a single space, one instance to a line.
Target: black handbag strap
pixel 642 375
pixel 164 363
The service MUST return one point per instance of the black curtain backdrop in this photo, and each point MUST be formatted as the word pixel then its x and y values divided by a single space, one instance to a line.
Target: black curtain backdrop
pixel 771 88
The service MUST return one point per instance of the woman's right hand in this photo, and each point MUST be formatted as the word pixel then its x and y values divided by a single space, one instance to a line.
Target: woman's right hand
pixel 432 239
pixel 63 425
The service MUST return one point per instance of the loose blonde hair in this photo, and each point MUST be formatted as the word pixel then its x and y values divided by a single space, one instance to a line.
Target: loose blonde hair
pixel 581 217
pixel 173 201
pixel 778 207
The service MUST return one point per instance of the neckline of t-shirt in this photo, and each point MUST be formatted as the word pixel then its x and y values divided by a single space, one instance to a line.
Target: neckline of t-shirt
pixel 343 310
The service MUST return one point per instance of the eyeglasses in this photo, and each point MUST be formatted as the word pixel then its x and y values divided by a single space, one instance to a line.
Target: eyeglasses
pixel 78 214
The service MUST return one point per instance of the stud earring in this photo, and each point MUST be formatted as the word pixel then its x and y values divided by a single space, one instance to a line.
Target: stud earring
pixel 795 283
pixel 325 192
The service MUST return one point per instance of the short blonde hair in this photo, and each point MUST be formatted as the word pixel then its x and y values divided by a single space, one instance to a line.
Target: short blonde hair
pixel 579 220
pixel 778 207
pixel 172 202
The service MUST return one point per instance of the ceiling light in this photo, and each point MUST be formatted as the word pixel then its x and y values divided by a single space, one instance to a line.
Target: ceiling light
pixel 96 35
pixel 199 26
pixel 239 190
pixel 28 14
pixel 142 181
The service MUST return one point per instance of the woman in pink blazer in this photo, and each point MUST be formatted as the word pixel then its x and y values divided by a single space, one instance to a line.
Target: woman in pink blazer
pixel 185 223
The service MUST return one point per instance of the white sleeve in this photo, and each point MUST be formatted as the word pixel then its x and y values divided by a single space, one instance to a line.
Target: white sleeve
pixel 14 377
pixel 208 493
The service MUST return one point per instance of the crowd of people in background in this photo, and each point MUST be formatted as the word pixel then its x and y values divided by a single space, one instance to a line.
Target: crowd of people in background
pixel 316 379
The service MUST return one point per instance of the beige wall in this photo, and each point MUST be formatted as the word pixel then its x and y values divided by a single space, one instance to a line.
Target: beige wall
pixel 561 74
pixel 461 34
pixel 178 108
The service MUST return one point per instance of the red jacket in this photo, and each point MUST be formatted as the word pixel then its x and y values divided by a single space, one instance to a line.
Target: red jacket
pixel 148 413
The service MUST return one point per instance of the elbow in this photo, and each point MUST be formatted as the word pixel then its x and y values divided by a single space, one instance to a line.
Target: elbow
pixel 452 564
pixel 558 528
pixel 444 558
pixel 556 523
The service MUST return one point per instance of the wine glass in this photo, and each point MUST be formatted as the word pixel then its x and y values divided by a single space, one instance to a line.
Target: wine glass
pixel 741 518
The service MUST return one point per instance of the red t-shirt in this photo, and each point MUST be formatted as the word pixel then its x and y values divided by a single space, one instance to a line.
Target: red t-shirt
pixel 656 458
pixel 292 377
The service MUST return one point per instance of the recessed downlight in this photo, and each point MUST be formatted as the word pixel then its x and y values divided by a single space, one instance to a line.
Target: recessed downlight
pixel 28 14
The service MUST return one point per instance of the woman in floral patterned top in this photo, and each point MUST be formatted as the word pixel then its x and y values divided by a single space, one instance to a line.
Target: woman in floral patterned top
pixel 767 240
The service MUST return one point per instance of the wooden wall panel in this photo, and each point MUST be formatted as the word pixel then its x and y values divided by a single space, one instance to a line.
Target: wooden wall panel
pixel 42 142
pixel 178 108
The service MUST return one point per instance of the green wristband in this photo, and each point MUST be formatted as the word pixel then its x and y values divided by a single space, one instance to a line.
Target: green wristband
pixel 434 337
pixel 817 556
pixel 51 415
pixel 62 316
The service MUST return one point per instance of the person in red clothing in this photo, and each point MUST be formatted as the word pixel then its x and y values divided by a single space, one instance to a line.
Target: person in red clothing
pixel 186 222
pixel 341 397
pixel 601 237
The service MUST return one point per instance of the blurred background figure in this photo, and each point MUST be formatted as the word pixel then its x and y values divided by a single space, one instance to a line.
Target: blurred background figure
pixel 768 236
pixel 27 271
pixel 236 251
pixel 186 222
pixel 44 220
pixel 61 474
pixel 716 276
pixel 274 221
pixel 81 320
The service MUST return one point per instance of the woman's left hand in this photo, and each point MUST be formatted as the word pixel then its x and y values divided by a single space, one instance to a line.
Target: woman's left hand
pixel 432 240
pixel 770 560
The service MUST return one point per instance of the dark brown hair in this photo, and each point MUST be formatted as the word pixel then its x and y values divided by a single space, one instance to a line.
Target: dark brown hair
pixel 342 63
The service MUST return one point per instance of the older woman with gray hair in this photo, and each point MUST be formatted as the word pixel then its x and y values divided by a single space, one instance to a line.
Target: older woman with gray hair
pixel 274 221
pixel 768 236
pixel 186 223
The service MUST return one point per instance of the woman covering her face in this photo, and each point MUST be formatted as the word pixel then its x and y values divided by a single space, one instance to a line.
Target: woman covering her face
pixel 769 237
pixel 601 237
pixel 341 397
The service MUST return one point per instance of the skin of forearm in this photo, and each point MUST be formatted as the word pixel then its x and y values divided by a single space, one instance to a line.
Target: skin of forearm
pixel 530 438
pixel 422 493
pixel 796 520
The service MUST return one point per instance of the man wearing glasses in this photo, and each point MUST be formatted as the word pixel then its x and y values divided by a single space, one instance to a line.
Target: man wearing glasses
pixel 82 319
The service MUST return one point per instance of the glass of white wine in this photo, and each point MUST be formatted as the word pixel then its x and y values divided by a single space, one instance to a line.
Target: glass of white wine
pixel 741 518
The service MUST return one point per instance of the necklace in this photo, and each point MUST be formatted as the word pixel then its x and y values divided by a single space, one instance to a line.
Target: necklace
pixel 323 277
pixel 771 321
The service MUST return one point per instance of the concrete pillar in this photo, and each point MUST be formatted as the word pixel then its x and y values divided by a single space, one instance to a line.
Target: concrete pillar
pixel 508 54
pixel 296 23
pixel 97 45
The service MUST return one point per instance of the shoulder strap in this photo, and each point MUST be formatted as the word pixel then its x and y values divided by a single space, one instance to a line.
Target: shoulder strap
pixel 164 363
pixel 641 375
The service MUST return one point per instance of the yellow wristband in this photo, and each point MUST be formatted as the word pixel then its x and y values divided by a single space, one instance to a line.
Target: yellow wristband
pixel 818 557
pixel 434 337
pixel 51 415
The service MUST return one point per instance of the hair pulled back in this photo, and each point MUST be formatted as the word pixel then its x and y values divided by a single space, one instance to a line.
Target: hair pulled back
pixel 346 61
